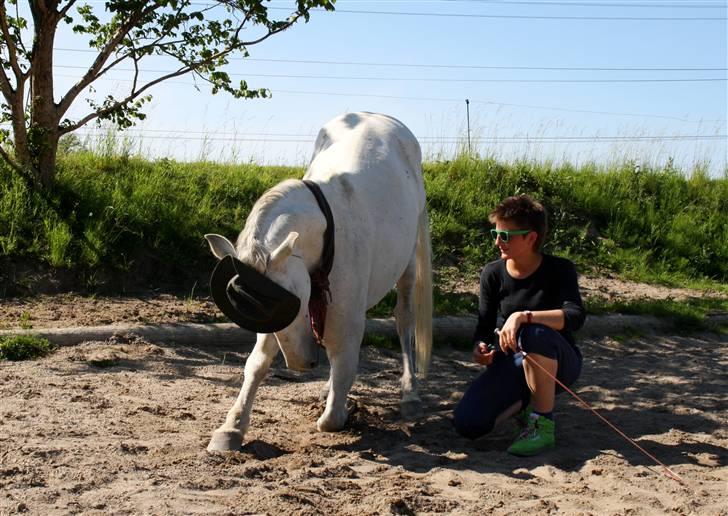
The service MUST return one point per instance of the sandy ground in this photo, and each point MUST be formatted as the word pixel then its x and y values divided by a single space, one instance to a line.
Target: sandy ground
pixel 68 310
pixel 120 427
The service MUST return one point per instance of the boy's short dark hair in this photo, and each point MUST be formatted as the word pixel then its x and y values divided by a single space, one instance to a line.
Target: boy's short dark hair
pixel 524 211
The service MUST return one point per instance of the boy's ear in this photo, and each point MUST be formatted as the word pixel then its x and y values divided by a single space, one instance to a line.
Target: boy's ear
pixel 532 239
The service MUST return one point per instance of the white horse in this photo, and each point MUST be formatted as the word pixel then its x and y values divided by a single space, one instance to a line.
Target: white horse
pixel 369 168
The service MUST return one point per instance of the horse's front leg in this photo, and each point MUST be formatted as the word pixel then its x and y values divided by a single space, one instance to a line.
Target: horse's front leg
pixel 229 437
pixel 342 349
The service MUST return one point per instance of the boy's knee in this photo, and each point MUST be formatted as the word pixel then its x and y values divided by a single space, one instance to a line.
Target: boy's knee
pixel 469 423
pixel 536 338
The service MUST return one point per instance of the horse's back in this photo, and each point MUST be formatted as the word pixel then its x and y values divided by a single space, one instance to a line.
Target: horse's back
pixel 371 166
pixel 355 135
pixel 376 153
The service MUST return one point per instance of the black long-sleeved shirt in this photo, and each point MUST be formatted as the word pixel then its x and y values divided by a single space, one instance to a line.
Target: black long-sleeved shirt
pixel 552 286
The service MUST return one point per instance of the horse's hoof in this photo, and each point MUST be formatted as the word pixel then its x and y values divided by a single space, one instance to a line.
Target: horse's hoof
pixel 410 409
pixel 331 424
pixel 225 440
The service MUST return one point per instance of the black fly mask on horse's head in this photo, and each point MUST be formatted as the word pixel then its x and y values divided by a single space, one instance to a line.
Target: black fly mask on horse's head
pixel 250 299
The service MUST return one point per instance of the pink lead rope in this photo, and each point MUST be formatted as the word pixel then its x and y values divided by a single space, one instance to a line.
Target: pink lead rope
pixel 671 474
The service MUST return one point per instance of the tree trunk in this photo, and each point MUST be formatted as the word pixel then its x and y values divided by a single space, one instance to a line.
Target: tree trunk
pixel 46 160
pixel 43 133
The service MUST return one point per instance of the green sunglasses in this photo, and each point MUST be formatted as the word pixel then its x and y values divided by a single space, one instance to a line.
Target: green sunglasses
pixel 505 234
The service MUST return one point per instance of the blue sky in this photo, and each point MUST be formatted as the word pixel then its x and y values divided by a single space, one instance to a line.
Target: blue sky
pixel 533 120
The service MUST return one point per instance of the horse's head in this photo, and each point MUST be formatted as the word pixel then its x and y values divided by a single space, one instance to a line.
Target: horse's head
pixel 285 267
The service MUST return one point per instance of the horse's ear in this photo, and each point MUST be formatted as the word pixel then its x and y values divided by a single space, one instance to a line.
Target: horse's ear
pixel 220 246
pixel 284 250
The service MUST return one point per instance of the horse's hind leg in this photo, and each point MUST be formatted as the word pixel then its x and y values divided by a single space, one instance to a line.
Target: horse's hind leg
pixel 410 405
pixel 229 437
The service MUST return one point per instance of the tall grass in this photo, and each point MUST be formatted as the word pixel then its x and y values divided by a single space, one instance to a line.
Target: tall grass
pixel 130 215
pixel 119 213
pixel 650 224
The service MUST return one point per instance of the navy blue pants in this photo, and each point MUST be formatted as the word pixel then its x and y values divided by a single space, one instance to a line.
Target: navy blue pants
pixel 503 383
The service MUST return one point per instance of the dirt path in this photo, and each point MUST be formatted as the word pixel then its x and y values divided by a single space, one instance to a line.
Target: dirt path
pixel 120 427
pixel 71 310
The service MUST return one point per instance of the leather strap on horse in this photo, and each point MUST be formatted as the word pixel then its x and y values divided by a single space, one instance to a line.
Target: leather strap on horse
pixel 320 291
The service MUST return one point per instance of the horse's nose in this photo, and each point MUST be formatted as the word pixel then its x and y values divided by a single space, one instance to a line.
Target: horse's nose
pixel 313 364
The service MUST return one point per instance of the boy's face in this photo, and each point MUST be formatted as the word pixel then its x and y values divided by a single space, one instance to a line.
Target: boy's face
pixel 514 243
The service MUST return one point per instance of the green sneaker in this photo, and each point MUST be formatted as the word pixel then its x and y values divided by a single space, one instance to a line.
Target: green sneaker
pixel 537 437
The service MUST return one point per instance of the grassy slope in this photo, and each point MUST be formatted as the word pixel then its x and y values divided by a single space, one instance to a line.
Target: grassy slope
pixel 147 219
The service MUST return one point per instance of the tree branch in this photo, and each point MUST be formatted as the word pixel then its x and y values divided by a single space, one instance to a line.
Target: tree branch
pixel 17 168
pixel 5 87
pixel 191 67
pixel 271 33
pixel 117 105
pixel 136 73
pixel 12 54
pixel 154 44
pixel 187 68
pixel 63 12
pixel 20 40
pixel 93 72
pixel 10 160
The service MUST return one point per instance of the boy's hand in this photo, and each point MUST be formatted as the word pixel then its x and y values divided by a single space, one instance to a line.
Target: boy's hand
pixel 481 355
pixel 508 333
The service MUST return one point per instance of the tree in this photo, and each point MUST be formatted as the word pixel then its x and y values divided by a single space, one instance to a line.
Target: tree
pixel 200 35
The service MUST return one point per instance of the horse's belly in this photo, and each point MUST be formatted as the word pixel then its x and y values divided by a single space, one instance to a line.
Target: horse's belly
pixel 392 249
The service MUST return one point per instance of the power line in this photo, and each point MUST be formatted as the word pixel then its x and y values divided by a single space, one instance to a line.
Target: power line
pixel 500 3
pixel 436 79
pixel 576 3
pixel 516 17
pixel 590 4
pixel 475 67
pixel 533 17
pixel 429 79
pixel 492 102
pixel 287 137
pixel 442 99
pixel 491 67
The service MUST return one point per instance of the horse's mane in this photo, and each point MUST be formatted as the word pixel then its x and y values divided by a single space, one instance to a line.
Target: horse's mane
pixel 249 245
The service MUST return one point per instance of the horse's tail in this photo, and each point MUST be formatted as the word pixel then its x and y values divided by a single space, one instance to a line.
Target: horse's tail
pixel 423 295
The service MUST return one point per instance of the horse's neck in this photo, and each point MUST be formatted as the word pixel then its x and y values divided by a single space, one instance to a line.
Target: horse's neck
pixel 297 211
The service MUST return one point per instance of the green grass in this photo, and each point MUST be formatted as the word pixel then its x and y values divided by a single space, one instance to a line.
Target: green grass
pixel 392 342
pixel 627 334
pixel 380 341
pixel 656 225
pixel 444 303
pixel 126 217
pixel 685 316
pixel 25 323
pixel 23 347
